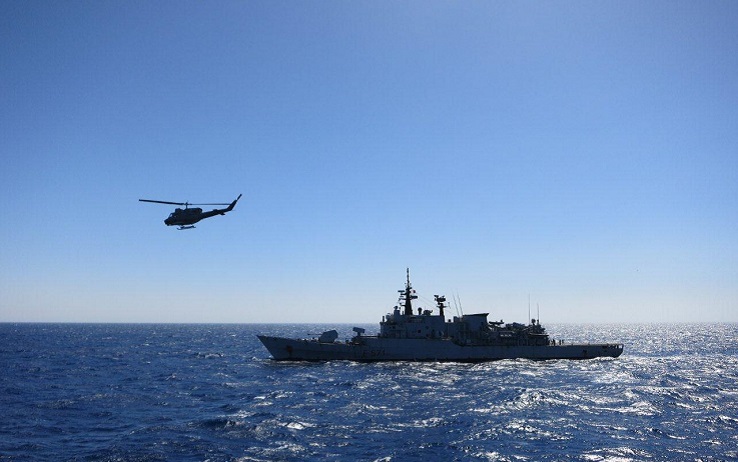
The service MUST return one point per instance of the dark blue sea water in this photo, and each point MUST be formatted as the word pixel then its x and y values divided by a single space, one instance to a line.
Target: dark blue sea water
pixel 116 392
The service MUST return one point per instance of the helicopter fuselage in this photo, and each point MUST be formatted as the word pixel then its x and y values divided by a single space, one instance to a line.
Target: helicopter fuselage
pixel 182 217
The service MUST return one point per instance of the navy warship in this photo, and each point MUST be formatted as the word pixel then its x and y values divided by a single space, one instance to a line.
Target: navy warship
pixel 423 336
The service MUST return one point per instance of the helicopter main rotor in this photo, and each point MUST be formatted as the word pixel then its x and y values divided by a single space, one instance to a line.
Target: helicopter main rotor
pixel 186 204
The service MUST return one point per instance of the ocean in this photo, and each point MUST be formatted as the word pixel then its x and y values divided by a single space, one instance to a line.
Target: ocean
pixel 165 392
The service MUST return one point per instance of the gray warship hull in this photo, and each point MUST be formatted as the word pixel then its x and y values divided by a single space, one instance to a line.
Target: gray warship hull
pixel 369 349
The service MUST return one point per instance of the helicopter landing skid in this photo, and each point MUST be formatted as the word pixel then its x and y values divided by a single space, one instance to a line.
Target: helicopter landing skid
pixel 186 227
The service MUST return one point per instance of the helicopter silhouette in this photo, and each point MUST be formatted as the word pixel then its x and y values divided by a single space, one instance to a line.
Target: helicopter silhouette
pixel 186 218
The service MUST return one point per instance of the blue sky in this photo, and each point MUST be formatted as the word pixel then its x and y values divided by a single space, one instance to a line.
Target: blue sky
pixel 582 153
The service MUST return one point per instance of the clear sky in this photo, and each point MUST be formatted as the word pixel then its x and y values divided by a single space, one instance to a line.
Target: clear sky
pixel 582 153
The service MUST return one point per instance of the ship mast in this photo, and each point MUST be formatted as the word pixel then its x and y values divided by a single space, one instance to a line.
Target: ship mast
pixel 441 303
pixel 407 294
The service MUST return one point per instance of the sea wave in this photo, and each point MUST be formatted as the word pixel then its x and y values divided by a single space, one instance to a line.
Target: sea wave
pixel 191 392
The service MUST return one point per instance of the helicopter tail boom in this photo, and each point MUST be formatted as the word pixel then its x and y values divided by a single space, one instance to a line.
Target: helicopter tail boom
pixel 233 204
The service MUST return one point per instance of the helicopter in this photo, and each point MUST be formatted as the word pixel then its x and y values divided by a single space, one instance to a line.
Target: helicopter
pixel 186 218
